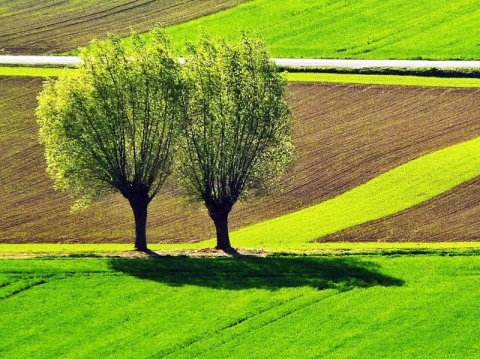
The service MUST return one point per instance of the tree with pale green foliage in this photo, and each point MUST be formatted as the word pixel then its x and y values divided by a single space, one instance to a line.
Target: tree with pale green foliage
pixel 113 124
pixel 237 125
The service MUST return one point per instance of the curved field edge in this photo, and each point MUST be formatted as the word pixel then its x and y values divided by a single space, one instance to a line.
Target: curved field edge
pixel 56 26
pixel 394 191
pixel 392 80
pixel 431 221
pixel 368 29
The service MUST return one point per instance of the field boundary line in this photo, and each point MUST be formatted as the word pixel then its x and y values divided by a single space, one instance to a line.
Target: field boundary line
pixel 283 62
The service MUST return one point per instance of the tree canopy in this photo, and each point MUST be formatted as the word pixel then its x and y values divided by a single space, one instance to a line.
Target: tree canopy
pixel 237 125
pixel 113 124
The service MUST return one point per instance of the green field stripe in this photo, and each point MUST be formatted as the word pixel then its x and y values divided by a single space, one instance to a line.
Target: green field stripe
pixel 32 71
pixel 401 188
pixel 395 80
pixel 78 248
pixel 50 249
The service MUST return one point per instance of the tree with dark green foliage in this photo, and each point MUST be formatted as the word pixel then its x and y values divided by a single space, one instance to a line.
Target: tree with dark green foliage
pixel 237 125
pixel 113 124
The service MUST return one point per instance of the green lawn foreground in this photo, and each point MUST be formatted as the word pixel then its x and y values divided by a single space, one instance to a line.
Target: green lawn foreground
pixel 248 307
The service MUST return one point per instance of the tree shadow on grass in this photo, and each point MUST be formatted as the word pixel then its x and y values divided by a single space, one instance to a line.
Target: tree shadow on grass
pixel 269 273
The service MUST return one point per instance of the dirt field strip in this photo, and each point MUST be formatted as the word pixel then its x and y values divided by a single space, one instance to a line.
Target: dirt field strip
pixel 345 135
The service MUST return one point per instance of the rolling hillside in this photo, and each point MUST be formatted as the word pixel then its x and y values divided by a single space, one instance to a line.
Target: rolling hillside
pixel 55 26
pixel 370 29
pixel 345 135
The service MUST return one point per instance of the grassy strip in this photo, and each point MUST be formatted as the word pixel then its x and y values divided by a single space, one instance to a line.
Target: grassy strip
pixel 369 29
pixel 61 248
pixel 180 307
pixel 396 80
pixel 403 187
pixel 106 248
pixel 32 71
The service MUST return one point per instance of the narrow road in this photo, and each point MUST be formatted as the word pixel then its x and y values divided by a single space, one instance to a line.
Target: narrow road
pixel 304 63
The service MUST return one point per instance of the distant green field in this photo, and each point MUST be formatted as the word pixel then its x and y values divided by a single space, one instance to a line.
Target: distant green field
pixel 398 189
pixel 273 307
pixel 368 29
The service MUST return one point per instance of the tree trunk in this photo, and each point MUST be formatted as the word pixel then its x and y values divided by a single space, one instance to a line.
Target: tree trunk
pixel 220 219
pixel 139 202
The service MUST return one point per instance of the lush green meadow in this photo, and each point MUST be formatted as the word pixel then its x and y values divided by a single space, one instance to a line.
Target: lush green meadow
pixel 370 29
pixel 248 307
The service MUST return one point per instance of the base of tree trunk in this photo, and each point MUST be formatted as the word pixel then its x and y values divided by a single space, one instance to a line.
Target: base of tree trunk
pixel 232 251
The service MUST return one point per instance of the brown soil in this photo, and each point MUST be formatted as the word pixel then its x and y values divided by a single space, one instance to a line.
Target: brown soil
pixel 344 135
pixel 453 216
pixel 55 26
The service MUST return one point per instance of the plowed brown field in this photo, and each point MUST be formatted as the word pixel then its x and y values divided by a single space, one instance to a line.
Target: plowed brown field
pixel 344 135
pixel 40 27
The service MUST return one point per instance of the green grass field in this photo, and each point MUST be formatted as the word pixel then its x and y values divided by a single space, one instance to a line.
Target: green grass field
pixel 369 29
pixel 251 307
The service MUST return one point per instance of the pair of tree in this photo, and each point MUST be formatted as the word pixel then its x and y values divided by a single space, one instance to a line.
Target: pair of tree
pixel 130 116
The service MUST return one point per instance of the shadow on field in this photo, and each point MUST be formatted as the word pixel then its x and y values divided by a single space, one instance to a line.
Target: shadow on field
pixel 257 272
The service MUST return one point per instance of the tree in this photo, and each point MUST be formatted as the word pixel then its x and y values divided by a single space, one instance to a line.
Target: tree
pixel 112 125
pixel 237 125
